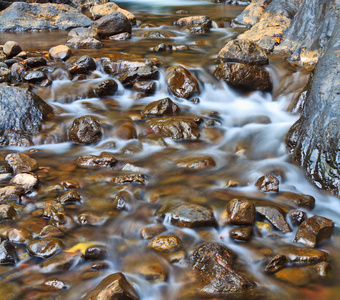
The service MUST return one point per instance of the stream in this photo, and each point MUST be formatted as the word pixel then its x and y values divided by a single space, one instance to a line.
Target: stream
pixel 242 132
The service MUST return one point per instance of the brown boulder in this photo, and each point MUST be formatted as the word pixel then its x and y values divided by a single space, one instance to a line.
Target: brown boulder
pixel 194 20
pixel 299 200
pixel 11 48
pixel 21 162
pixel 303 255
pixel 242 76
pixel 60 52
pixel 239 212
pixel 111 24
pixel 85 130
pixel 160 108
pixel 314 230
pixel 241 234
pixel 165 243
pixel 181 82
pixel 276 263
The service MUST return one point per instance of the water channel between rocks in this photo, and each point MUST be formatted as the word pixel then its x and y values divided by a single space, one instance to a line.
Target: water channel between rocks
pixel 243 133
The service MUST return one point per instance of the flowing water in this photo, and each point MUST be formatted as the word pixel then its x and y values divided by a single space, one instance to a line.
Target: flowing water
pixel 243 133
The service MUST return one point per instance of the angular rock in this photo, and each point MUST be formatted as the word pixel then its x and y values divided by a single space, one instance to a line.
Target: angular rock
pixel 275 216
pixel 145 87
pixel 104 160
pixel 268 183
pixel 34 62
pixel 46 247
pixel 21 16
pixel 27 111
pixel 303 255
pixel 132 178
pixel 114 286
pixel 134 74
pixel 120 37
pixel 11 48
pixel 239 212
pixel 25 180
pixel 86 62
pixel 84 43
pixel 241 234
pixel 196 29
pixel 196 162
pixel 213 267
pixel 10 194
pixel 99 11
pixel 314 230
pixel 21 162
pixel 297 217
pixel 5 73
pixel 50 231
pixel 111 24
pixel 175 128
pixel 60 52
pixel 243 51
pixel 85 130
pixel 158 34
pixel 187 215
pixel 194 20
pixel 165 243
pixel 8 254
pixel 323 269
pixel 181 82
pixel 160 108
pixel 276 263
pixel 242 76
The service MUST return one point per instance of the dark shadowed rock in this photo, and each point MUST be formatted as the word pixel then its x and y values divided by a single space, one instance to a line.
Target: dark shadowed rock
pixel 160 108
pixel 165 243
pixel 21 162
pixel 243 51
pixel 297 217
pixel 85 130
pixel 114 286
pixel 242 76
pixel 314 230
pixel 275 216
pixel 11 48
pixel 96 252
pixel 181 82
pixel 34 62
pixel 134 74
pixel 107 87
pixel 104 160
pixel 187 215
pixel 27 111
pixel 86 62
pixel 111 24
pixel 21 16
pixel 276 263
pixel 239 212
pixel 46 247
pixel 213 267
pixel 8 254
pixel 194 20
pixel 268 183
pixel 145 87
pixel 175 128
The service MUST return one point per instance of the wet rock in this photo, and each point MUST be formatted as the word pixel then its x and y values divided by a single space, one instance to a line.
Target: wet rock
pixel 11 291
pixel 251 14
pixel 84 43
pixel 45 248
pixel 150 232
pixel 297 217
pixel 241 234
pixel 104 160
pixel 11 48
pixel 213 267
pixel 158 34
pixel 105 88
pixel 27 111
pixel 86 62
pixel 294 276
pixel 25 180
pixel 21 16
pixel 70 197
pixel 52 209
pixel 35 62
pixel 299 200
pixel 268 183
pixel 85 130
pixel 17 70
pixel 181 82
pixel 303 255
pixel 5 73
pixel 34 76
pixel 275 216
pixel 50 231
pixel 114 286
pixel 135 74
pixel 194 20
pixel 111 24
pixel 120 37
pixel 60 74
pixel 165 243
pixel 145 87
pixel 239 212
pixel 132 178
pixel 53 284
pixel 8 253
pixel 19 235
pixel 60 52
pixel 175 128
pixel 314 230
pixel 160 108
pixel 91 218
pixel 244 76
pixel 60 263
pixel 21 162
pixel 196 162
pixel 276 263
pixel 323 269
pixel 123 200
pixel 243 51
pixel 196 29
pixel 82 33
pixel 96 252
pixel 187 215
pixel 7 212
pixel 10 194
pixel 126 131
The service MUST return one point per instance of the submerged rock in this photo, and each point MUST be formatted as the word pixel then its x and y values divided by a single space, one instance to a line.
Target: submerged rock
pixel 21 16
pixel 104 160
pixel 314 230
pixel 303 255
pixel 46 247
pixel 294 276
pixel 268 183
pixel 241 234
pixel 244 76
pixel 196 162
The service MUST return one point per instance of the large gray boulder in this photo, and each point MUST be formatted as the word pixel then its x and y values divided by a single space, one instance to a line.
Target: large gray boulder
pixel 22 114
pixel 21 16
pixel 315 138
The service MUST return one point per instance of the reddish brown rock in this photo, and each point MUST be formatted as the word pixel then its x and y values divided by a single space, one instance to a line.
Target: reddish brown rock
pixel 314 230
pixel 197 162
pixel 297 217
pixel 241 234
pixel 238 212
pixel 294 276
pixel 160 108
pixel 85 130
pixel 268 183
pixel 150 232
pixel 165 243
pixel 276 263
pixel 104 160
pixel 299 200
pixel 303 255
pixel 46 247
